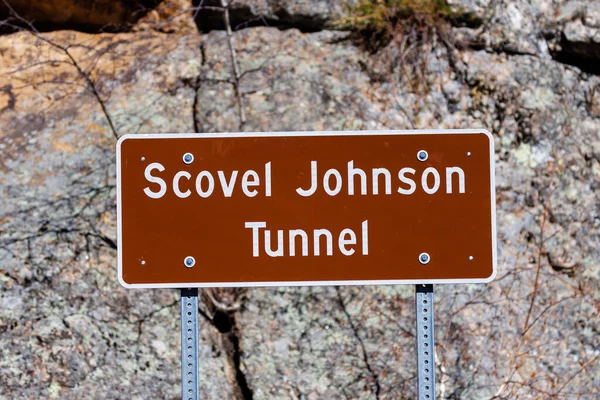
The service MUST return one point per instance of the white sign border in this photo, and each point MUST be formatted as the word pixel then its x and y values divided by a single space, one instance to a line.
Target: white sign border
pixel 304 283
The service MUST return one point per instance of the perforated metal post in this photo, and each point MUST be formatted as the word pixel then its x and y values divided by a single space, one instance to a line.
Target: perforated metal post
pixel 189 344
pixel 425 349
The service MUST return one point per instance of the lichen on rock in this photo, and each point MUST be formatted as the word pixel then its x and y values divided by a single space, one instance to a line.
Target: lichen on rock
pixel 68 330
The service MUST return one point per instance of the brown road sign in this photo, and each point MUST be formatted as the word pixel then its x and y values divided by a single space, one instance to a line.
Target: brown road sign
pixel 306 208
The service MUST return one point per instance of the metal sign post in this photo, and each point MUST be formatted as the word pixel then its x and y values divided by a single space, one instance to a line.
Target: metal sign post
pixel 189 344
pixel 425 345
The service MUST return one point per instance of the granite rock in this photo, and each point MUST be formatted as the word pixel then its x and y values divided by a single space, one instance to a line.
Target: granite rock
pixel 68 330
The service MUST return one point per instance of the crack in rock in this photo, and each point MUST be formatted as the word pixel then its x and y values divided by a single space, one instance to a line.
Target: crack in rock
pixel 225 322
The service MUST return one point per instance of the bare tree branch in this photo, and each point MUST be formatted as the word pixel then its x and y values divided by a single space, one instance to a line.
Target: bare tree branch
pixel 234 63
pixel 65 49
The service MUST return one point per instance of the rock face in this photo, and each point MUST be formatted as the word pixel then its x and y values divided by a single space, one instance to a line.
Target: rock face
pixel 87 15
pixel 580 37
pixel 306 15
pixel 567 31
pixel 68 330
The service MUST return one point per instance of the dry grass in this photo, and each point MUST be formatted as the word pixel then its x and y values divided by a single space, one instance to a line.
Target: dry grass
pixel 384 17
pixel 403 33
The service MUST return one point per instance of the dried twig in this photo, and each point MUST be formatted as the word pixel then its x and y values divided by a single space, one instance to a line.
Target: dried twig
pixel 583 368
pixel 65 49
pixel 376 389
pixel 219 305
pixel 539 267
pixel 234 63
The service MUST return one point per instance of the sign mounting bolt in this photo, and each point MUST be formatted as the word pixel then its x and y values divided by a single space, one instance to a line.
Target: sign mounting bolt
pixel 424 258
pixel 468 154
pixel 422 155
pixel 188 158
pixel 189 261
pixel 143 159
pixel 143 262
pixel 470 258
